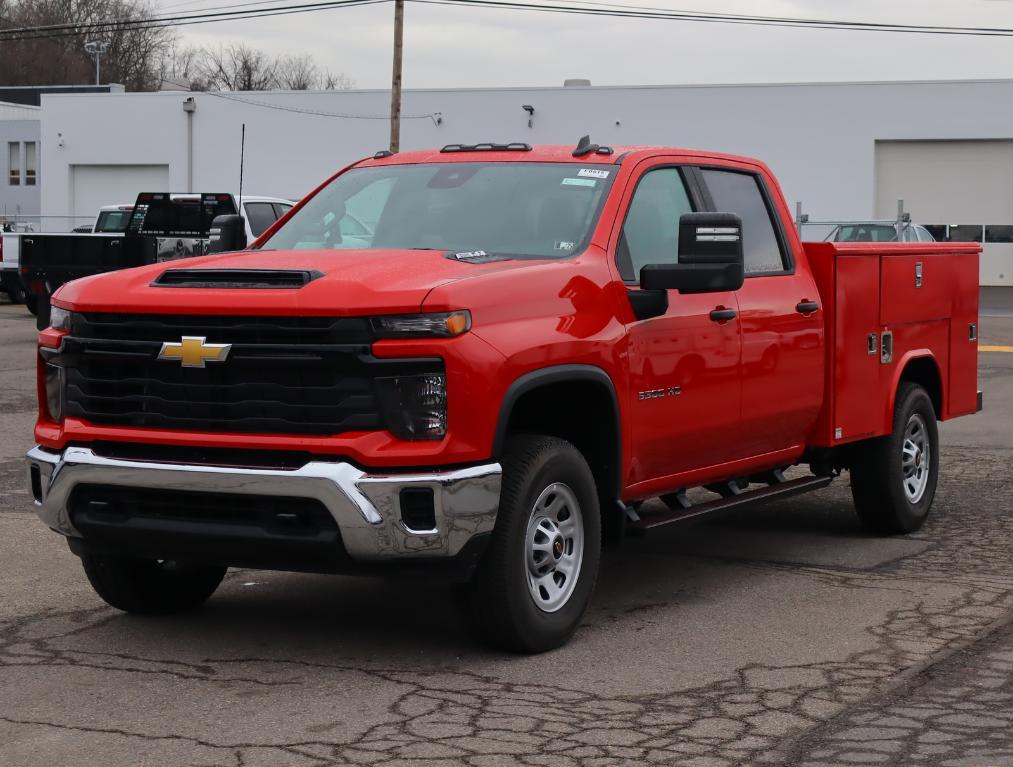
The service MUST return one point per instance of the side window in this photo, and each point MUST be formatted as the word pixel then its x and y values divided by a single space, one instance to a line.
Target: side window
pixel 281 208
pixel 261 216
pixel 651 231
pixel 740 193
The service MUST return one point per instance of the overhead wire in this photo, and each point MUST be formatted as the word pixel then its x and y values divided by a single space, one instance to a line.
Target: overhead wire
pixel 246 10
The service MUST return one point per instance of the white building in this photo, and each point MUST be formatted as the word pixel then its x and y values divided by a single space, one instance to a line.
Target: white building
pixel 19 162
pixel 846 151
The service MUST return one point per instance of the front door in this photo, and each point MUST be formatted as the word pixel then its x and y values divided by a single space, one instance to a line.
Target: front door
pixel 684 364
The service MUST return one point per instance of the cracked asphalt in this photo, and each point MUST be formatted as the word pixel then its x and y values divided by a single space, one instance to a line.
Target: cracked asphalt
pixel 781 636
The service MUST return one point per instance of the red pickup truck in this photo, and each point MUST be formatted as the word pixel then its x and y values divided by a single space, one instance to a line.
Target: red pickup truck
pixel 477 362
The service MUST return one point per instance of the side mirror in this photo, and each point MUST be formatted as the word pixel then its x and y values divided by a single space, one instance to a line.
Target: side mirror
pixel 710 257
pixel 228 233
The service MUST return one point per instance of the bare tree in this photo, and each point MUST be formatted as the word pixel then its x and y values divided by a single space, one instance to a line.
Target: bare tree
pixel 141 57
pixel 182 65
pixel 238 67
pixel 335 81
pixel 131 57
pixel 297 73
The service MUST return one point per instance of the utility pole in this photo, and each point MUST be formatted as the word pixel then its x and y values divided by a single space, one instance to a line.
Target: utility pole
pixel 96 48
pixel 395 84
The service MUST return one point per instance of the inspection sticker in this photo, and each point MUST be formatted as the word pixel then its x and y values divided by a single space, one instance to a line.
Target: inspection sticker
pixel 579 182
pixel 593 173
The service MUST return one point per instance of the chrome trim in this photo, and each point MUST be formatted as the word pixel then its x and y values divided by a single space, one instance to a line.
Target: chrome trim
pixel 366 507
pixel 717 238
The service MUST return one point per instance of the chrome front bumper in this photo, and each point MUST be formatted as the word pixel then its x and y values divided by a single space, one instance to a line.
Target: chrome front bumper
pixel 366 507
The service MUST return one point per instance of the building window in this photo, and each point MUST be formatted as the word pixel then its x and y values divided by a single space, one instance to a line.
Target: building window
pixel 31 155
pixel 14 153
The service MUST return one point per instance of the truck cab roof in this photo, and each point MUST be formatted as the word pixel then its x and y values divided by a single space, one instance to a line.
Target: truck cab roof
pixel 490 152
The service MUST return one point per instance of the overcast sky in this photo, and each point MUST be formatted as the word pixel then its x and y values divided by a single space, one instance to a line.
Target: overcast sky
pixel 447 46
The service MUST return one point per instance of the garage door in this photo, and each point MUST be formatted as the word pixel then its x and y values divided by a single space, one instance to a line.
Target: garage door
pixel 962 189
pixel 92 186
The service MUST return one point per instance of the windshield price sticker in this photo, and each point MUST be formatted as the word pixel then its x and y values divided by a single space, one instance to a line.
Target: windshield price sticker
pixel 593 173
pixel 579 182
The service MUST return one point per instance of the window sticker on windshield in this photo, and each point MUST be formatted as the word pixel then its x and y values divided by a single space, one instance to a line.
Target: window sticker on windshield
pixel 579 182
pixel 593 173
pixel 564 245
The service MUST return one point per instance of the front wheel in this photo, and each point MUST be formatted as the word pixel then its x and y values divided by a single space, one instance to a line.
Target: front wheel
pixel 893 479
pixel 150 586
pixel 536 579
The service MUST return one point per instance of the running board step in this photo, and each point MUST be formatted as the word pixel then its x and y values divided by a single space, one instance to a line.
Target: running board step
pixel 773 492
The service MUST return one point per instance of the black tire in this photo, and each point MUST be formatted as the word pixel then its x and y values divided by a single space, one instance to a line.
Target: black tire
pixel 498 600
pixel 31 303
pixel 150 586
pixel 16 293
pixel 882 492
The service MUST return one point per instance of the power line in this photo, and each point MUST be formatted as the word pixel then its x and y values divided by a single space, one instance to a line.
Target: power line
pixel 65 30
pixel 653 13
pixel 587 8
pixel 317 113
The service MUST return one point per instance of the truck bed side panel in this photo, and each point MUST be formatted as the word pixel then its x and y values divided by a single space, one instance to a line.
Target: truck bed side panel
pixel 920 299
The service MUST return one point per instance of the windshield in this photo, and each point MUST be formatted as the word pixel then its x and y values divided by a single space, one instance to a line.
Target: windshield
pixel 540 210
pixel 112 221
pixel 867 233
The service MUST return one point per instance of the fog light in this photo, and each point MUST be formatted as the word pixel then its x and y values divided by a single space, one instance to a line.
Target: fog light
pixel 414 407
pixel 54 392
pixel 418 509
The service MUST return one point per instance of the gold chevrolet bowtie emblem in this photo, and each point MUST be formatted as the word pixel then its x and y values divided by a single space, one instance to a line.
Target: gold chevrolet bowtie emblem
pixel 194 352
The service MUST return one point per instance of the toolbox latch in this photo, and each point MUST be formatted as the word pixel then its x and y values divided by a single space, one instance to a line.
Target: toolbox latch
pixel 886 348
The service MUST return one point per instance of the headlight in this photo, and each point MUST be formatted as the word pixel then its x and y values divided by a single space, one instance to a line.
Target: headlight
pixel 54 392
pixel 59 319
pixel 414 407
pixel 442 325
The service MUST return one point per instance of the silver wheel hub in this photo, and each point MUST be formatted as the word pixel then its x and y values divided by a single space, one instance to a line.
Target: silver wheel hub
pixel 915 458
pixel 554 547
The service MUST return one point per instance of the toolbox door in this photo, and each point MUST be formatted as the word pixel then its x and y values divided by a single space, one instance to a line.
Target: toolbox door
pixel 857 390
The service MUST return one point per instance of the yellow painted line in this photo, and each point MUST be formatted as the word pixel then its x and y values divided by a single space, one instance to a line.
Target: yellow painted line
pixel 1005 349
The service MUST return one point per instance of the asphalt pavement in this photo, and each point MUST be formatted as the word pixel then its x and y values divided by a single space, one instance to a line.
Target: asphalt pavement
pixel 780 636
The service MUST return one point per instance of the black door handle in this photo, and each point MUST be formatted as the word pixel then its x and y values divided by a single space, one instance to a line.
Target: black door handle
pixel 807 307
pixel 723 315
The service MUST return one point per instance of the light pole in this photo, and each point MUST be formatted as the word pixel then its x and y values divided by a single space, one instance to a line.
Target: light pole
pixel 96 48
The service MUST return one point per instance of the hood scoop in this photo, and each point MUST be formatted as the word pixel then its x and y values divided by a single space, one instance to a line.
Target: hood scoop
pixel 239 279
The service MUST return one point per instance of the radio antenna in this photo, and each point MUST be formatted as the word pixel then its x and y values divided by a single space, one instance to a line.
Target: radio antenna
pixel 242 152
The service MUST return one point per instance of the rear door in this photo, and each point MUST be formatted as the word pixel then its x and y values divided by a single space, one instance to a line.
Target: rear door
pixel 779 315
pixel 684 364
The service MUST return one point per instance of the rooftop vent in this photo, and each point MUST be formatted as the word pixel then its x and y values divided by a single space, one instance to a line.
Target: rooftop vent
pixel 488 146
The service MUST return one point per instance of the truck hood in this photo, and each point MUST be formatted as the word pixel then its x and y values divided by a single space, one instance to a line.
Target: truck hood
pixel 352 282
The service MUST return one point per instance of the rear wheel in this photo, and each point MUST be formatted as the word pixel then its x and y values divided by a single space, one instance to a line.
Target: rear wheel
pixel 31 302
pixel 150 586
pixel 16 292
pixel 893 479
pixel 536 579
